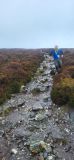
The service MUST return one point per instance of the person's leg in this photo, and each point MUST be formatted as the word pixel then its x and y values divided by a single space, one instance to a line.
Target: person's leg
pixel 60 63
pixel 56 65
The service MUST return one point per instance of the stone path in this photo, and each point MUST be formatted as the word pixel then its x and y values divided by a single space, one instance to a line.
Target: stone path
pixel 36 129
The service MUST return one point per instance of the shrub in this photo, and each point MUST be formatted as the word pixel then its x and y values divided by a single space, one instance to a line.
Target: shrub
pixel 2 96
pixel 2 100
pixel 60 95
pixel 17 69
pixel 64 92
pixel 14 87
pixel 71 100
pixel 36 91
pixel 63 87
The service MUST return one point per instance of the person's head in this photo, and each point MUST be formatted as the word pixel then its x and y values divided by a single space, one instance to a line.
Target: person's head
pixel 56 48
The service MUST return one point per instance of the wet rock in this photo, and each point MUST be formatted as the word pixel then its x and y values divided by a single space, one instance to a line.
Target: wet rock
pixel 37 106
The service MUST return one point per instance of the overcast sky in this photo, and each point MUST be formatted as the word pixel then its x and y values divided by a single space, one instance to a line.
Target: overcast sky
pixel 36 23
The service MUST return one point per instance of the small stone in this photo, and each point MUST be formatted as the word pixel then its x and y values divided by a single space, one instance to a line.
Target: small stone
pixel 48 113
pixel 32 114
pixel 23 106
pixel 52 157
pixel 25 144
pixel 1 118
pixel 3 121
pixel 1 133
pixel 46 99
pixel 41 157
pixel 67 149
pixel 3 158
pixel 14 151
pixel 37 106
pixel 49 149
pixel 45 154
pixel 67 130
pixel 56 120
pixel 40 117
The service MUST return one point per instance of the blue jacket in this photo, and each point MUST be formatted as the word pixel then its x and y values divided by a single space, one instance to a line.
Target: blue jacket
pixel 56 54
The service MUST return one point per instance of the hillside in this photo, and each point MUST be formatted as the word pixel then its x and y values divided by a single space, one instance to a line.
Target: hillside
pixel 63 87
pixel 17 67
pixel 32 127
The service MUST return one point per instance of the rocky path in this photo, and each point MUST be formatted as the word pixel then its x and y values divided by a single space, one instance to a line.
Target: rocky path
pixel 36 129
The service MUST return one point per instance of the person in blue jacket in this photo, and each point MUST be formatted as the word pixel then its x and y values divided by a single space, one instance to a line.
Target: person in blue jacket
pixel 57 56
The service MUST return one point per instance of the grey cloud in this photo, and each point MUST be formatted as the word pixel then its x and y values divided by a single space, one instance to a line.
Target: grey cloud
pixel 36 23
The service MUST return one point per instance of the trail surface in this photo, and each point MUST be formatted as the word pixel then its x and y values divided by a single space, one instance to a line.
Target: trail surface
pixel 36 129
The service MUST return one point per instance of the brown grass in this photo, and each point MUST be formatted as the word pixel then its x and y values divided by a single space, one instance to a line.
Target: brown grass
pixel 17 67
pixel 63 88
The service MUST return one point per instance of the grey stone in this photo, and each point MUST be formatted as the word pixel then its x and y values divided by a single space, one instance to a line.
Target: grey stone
pixel 37 106
pixel 1 133
pixel 67 148
pixel 32 115
pixel 20 133
pixel 40 117
pixel 45 154
pixel 46 99
pixel 13 151
pixel 51 157
pixel 56 133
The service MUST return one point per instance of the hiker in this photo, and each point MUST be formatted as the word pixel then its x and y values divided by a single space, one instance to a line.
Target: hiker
pixel 57 55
